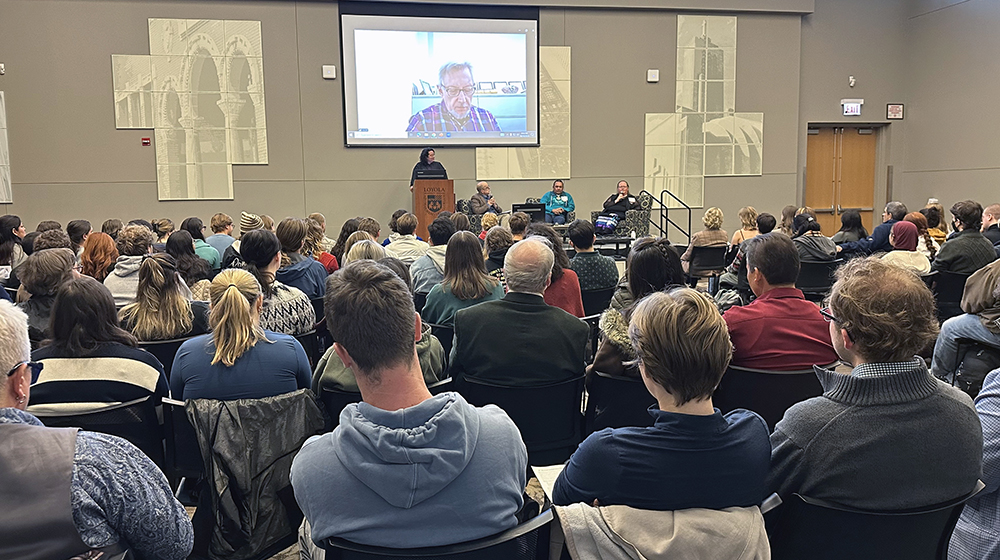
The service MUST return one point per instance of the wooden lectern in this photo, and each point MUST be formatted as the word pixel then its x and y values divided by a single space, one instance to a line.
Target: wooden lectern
pixel 430 198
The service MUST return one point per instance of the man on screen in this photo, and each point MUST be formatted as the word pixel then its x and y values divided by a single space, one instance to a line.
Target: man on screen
pixel 455 112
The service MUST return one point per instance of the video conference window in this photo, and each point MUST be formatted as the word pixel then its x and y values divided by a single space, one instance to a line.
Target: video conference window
pixel 435 80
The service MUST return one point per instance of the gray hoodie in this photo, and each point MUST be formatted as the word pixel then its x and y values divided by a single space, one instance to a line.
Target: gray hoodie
pixel 428 269
pixel 123 282
pixel 437 473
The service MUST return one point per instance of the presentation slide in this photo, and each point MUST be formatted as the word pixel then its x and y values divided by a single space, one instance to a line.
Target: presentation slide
pixel 415 81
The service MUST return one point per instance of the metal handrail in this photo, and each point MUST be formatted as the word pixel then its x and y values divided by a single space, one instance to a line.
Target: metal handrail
pixel 666 222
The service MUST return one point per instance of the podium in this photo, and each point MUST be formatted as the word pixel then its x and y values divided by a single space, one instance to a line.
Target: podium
pixel 430 198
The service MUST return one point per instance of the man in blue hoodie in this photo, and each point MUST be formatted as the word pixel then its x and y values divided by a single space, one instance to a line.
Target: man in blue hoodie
pixel 403 469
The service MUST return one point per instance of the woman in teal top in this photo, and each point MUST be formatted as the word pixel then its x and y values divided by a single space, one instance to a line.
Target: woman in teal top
pixel 196 228
pixel 465 281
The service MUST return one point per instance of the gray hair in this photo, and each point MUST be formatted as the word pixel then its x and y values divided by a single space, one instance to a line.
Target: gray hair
pixel 481 185
pixel 528 265
pixel 14 333
pixel 453 67
pixel 896 209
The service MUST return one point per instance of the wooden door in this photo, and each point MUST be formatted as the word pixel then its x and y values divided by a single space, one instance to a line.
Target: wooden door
pixel 840 175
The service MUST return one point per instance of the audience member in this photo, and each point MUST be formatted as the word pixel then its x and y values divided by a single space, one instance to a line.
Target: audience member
pixel 748 225
pixel 787 217
pixel 143 223
pixel 461 221
pixel 354 238
pixel 162 310
pixel 464 469
pixel 692 456
pixel 134 242
pixel 398 267
pixel 297 270
pixel 11 253
pixel 406 247
pixel 350 226
pixel 483 202
pixel 364 249
pixel 371 226
pixel 564 289
pixel 162 228
pixel 488 221
pixel 42 274
pixel 878 241
pixel 498 240
pixel 99 256
pixel 810 242
pixel 615 209
pixel 325 244
pixel 286 309
pixel 393 230
pixel 967 250
pixel 595 271
pixel 887 436
pixel 851 228
pixel 113 226
pixel 780 330
pixel 904 254
pixel 78 230
pixel 936 227
pixel 239 359
pixel 194 270
pixel 980 322
pixel 942 223
pixel 51 239
pixel 28 242
pixel 248 222
pixel 712 236
pixel 428 270
pixel 268 222
pixel 465 281
pixel 991 223
pixel 48 225
pixel 736 272
pixel 91 363
pixel 520 340
pixel 926 244
pixel 518 223
pixel 653 266
pixel 74 493
pixel 312 247
pixel 196 228
pixel 557 203
pixel 222 229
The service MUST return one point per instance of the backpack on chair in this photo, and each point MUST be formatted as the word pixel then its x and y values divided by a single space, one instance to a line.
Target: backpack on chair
pixel 976 361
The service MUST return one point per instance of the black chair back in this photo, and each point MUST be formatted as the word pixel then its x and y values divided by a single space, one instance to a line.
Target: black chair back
pixel 527 541
pixel 929 279
pixel 768 393
pixel 616 402
pixel 419 299
pixel 548 416
pixel 805 527
pixel 310 343
pixel 707 260
pixel 596 301
pixel 816 278
pixel 135 422
pixel 322 332
pixel 335 400
pixel 593 322
pixel 445 335
pixel 164 351
pixel 948 289
pixel 183 458
pixel 441 386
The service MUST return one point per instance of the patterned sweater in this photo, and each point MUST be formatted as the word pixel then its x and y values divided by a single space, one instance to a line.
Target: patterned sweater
pixel 287 311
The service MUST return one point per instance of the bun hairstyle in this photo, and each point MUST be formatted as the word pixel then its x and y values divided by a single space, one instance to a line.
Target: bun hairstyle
pixel 804 223
pixel 258 248
pixel 234 318
pixel 292 234
pixel 162 227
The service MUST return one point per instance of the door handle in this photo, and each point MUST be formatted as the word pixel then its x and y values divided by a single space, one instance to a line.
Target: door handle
pixel 842 210
pixel 823 210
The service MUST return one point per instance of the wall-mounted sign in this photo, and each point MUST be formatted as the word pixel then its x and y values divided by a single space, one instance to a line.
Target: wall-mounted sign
pixel 852 107
pixel 894 111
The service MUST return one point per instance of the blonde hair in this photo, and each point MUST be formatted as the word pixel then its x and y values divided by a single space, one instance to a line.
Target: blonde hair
pixel 161 310
pixel 234 321
pixel 354 238
pixel 489 220
pixel 748 218
pixel 712 218
pixel 364 249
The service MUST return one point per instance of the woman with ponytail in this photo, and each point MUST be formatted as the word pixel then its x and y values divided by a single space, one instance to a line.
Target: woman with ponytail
pixel 239 359
pixel 162 310
pixel 286 309
pixel 926 245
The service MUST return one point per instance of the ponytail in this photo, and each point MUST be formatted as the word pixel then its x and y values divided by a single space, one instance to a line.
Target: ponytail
pixel 235 328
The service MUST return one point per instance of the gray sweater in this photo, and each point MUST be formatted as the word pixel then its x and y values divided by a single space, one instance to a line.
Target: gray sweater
pixel 895 441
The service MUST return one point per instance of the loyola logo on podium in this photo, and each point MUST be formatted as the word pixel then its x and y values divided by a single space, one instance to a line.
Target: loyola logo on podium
pixel 435 202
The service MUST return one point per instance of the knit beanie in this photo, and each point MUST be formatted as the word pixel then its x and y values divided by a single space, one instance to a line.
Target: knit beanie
pixel 250 221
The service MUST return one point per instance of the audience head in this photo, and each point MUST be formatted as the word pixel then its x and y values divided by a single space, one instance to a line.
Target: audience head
pixel 528 265
pixel 712 218
pixel 260 249
pixel 195 227
pixel 445 214
pixel 772 261
pixel 561 261
pixel 497 239
pixel 353 239
pixel 28 242
pixel 235 317
pixel 748 218
pixel 11 232
pixel 320 219
pixel 804 223
pixel 766 223
pixel 249 222
pixel 581 234
pixel 440 231
pixel 162 228
pixel 364 249
pixel 267 222
pixel 968 214
pixel 113 226
pixel 904 236
pixel 461 221
pixel 942 223
pixel 161 310
pixel 464 268
pixel 349 227
pixel 47 225
pixel 78 230
pixel 406 224
pixel 393 221
pixel 850 221
pixel 312 245
pixel 398 267
pixel 99 256
pixel 51 239
pixel 221 223
pixel 371 317
pixel 180 245
pixel 933 216
pixel 895 210
pixel 135 240
pixel 83 317
pixel 991 215
pixel 15 353
pixel 46 270
pixel 518 223
pixel 653 264
pixel 370 225
pixel 291 233
pixel 143 223
pixel 806 210
pixel 681 343
pixel 883 313
pixel 919 220
pixel 787 215
pixel 489 220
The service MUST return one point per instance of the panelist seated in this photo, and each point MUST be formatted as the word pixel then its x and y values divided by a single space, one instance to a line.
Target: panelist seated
pixel 483 202
pixel 557 203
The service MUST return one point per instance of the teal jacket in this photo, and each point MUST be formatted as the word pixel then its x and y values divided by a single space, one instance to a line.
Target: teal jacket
pixel 552 201
pixel 209 253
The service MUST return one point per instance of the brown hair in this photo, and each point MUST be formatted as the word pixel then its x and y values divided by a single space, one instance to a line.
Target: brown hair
pixel 220 222
pixel 497 239
pixel 406 224
pixel 461 221
pixel 314 237
pixel 113 226
pixel 919 220
pixel 51 239
pixel 99 255
pixel 682 343
pixel 162 228
pixel 561 261
pixel 748 218
pixel 518 222
pixel 887 310
pixel 134 240
pixel 464 268
pixel 370 225
pixel 161 310
pixel 44 271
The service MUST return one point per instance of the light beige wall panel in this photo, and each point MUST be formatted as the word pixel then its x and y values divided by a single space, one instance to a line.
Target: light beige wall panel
pixel 951 186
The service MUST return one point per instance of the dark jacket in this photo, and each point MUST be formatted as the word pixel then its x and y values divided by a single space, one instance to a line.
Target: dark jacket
pixel 305 274
pixel 630 202
pixel 965 253
pixel 248 446
pixel 878 241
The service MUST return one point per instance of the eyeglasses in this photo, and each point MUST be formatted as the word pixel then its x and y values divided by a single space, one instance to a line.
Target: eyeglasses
pixel 35 368
pixel 828 315
pixel 452 91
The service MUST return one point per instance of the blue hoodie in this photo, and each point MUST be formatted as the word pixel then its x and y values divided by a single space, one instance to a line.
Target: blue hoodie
pixel 437 473
pixel 305 274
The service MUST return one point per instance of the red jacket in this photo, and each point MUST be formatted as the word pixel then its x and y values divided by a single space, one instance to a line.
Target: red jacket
pixel 565 294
